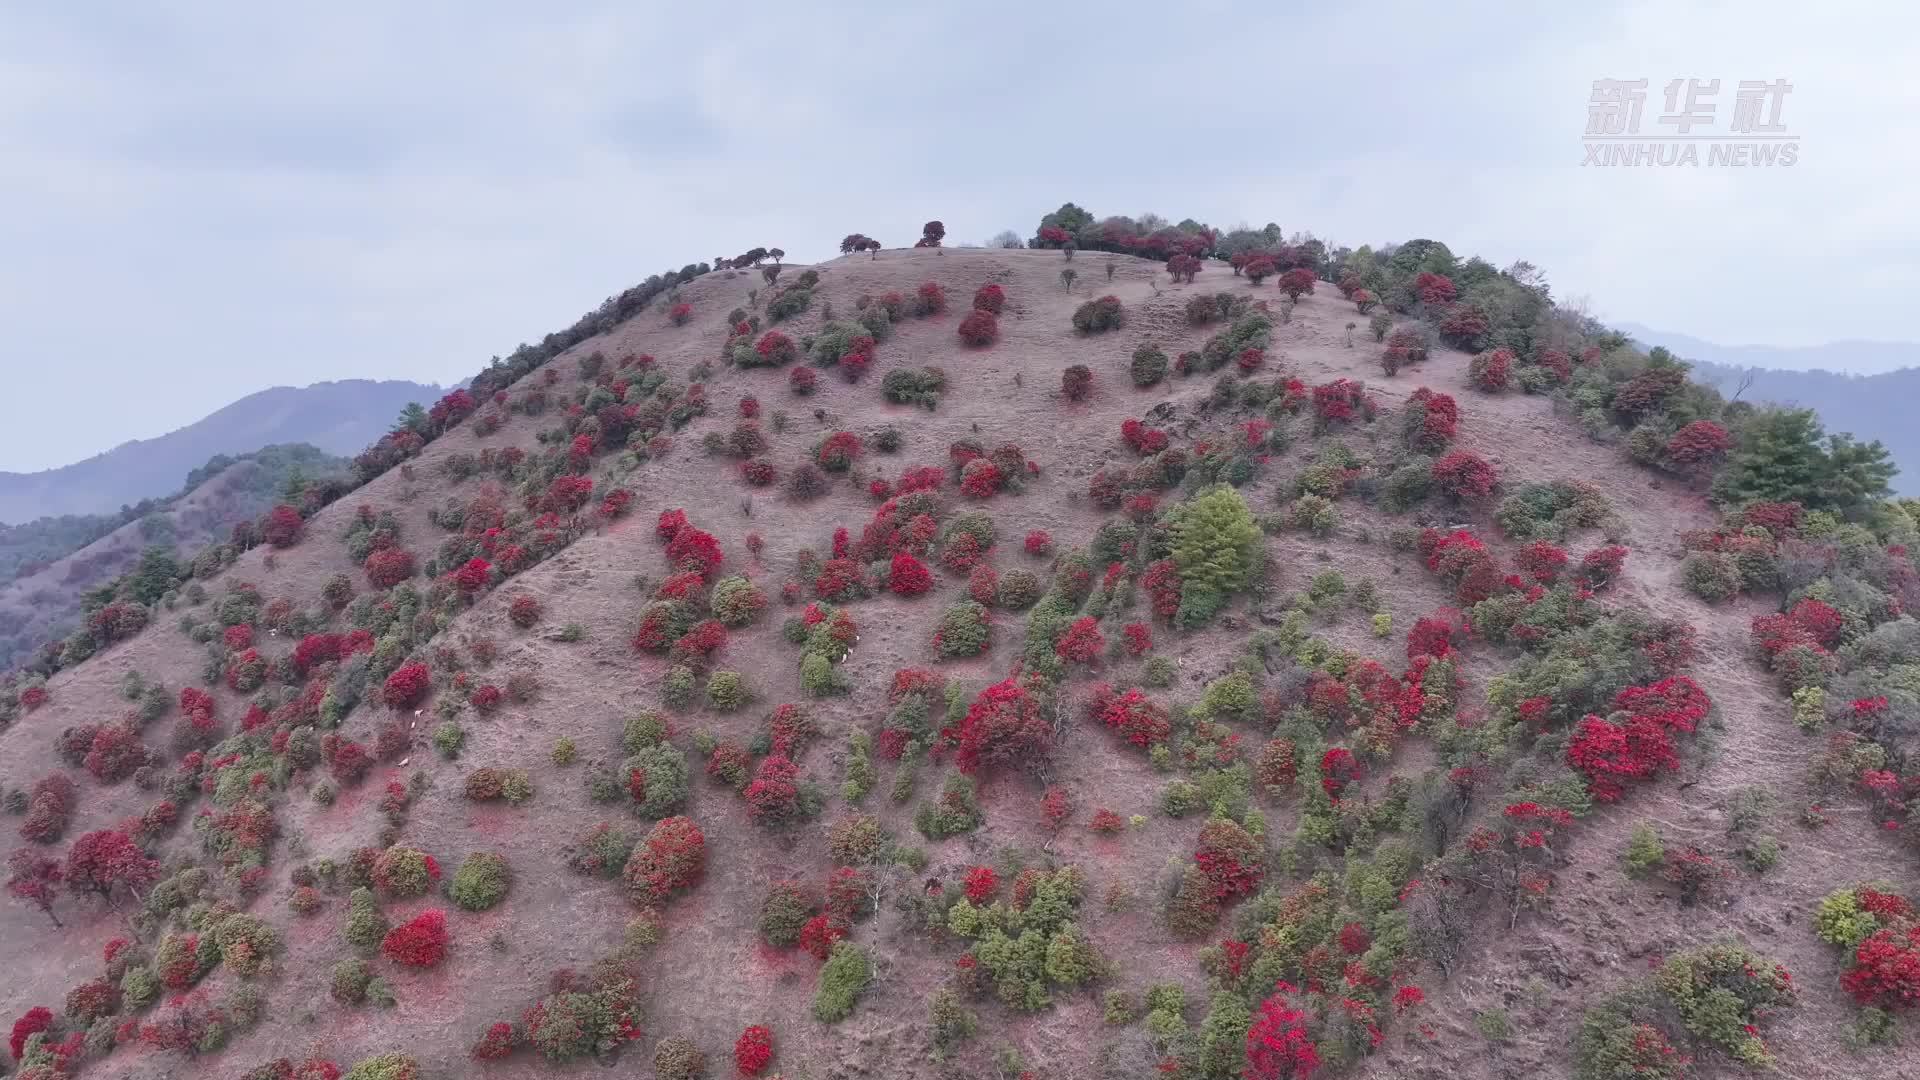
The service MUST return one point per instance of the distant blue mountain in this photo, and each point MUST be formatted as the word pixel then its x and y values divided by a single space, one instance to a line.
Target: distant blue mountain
pixel 338 417
pixel 1869 389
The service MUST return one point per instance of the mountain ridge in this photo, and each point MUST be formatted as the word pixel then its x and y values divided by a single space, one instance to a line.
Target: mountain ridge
pixel 340 417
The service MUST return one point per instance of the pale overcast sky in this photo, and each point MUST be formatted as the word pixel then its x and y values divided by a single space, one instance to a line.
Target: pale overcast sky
pixel 205 202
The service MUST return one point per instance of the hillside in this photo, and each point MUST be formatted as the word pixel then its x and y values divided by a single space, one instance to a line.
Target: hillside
pixel 44 573
pixel 338 417
pixel 1226 782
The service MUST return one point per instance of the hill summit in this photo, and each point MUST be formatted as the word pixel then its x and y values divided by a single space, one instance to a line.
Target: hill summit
pixel 1155 651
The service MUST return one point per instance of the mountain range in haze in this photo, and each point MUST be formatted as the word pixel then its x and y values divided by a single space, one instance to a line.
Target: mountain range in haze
pixel 340 418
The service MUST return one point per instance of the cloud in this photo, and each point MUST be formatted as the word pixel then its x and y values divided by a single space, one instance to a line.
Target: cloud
pixel 228 196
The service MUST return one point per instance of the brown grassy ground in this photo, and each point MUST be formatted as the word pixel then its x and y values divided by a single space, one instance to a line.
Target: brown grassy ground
pixel 710 977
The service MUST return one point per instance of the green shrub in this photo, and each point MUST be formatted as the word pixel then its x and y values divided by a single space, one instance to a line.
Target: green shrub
pixel 664 776
pixel 914 386
pixel 952 1022
pixel 1158 673
pixel 727 691
pixel 676 688
pixel 1551 510
pixel 481 882
pixel 678 1058
pixel 448 738
pixel 965 630
pixel 842 981
pixel 1099 315
pixel 247 944
pixel 395 1066
pixel 1644 850
pixel 648 728
pixel 1383 625
pixel 1840 920
pixel 1149 365
pixel 860 775
pixel 956 811
pixel 365 924
pixel 350 979
pixel 784 911
pixel 564 753
pixel 1710 575
pixel 790 302
pixel 1313 514
pixel 1018 589
pixel 1215 545
pixel 1721 992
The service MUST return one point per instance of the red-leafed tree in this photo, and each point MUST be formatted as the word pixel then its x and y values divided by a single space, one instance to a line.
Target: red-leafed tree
pixel 1491 371
pixel 1297 282
pixel 1699 445
pixel 1006 724
pixel 35 879
pixel 1278 1046
pixel 105 858
pixel 1434 288
pixel 1258 268
pixel 1232 860
pixel 281 527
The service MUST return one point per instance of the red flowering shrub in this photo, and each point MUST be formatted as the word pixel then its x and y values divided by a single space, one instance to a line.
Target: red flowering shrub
pixel 1183 267
pixel 1232 860
pixel 989 297
pixel 1259 267
pixel 981 884
pixel 472 576
pixel 819 934
pixel 1138 638
pixel 670 524
pixel 1541 561
pixel 1106 822
pixel 1491 371
pixel 753 1051
pixel 694 551
pixel 1886 968
pixel 980 479
pixel 1338 768
pixel 1278 1046
pixel 388 567
pixel 499 1040
pixel 281 527
pixel 566 494
pixel 523 611
pixel 1278 765
pixel 1143 439
pixel 979 329
pixel 1464 325
pixel 1082 643
pixel 839 450
pixel 1340 400
pixel 1354 939
pixel 32 1022
pixel 670 860
pixel 1430 421
pixel 1141 720
pixel 1698 444
pixel 1603 564
pixel 983 584
pixel 908 576
pixel 1437 634
pixel 680 314
pixel 802 381
pixel 773 796
pixel 1162 584
pixel 1039 542
pixel 1055 807
pixel 1004 725
pixel 406 686
pixel 421 942
pixel 1465 475
pixel 776 349
pixel 929 298
pixel 1608 753
pixel 701 642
